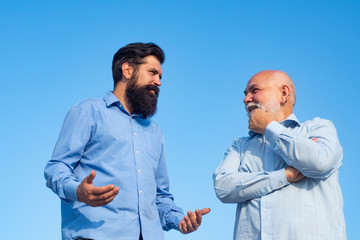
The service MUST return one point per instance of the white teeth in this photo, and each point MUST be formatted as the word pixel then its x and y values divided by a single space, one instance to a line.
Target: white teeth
pixel 252 106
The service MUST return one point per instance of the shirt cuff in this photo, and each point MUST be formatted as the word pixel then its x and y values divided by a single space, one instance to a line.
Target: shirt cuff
pixel 176 223
pixel 278 179
pixel 273 131
pixel 177 219
pixel 70 190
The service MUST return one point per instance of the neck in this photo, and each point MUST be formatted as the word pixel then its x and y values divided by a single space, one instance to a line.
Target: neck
pixel 119 92
pixel 284 114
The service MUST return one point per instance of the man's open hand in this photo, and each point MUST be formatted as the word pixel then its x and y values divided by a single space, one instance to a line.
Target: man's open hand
pixel 192 221
pixel 95 196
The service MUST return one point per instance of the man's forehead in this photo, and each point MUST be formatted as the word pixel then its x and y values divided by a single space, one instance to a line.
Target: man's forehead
pixel 262 79
pixel 152 61
pixel 255 82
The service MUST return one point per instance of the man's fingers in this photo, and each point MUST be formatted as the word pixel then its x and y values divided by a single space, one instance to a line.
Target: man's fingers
pixel 194 224
pixel 104 201
pixel 293 175
pixel 192 220
pixel 205 211
pixel 101 200
pixel 90 178
pixel 183 227
pixel 107 194
pixel 188 224
pixel 301 176
pixel 102 190
pixel 198 216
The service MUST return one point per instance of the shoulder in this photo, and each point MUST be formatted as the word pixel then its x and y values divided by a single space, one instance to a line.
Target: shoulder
pixel 90 103
pixel 86 110
pixel 317 122
pixel 239 143
pixel 89 106
pixel 318 126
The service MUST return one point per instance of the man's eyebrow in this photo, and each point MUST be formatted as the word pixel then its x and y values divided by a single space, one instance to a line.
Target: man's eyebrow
pixel 156 71
pixel 250 88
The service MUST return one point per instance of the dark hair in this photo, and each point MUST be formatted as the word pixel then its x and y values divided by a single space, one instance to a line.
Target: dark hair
pixel 134 53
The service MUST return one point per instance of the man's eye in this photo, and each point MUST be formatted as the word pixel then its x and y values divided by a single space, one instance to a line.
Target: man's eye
pixel 255 90
pixel 153 72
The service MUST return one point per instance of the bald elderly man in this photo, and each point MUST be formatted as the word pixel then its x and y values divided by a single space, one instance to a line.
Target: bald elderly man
pixel 284 175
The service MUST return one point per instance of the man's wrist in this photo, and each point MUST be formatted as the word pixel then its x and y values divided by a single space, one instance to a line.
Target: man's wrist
pixel 70 190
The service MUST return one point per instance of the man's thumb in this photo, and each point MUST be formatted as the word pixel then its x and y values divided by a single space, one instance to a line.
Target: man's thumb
pixel 204 211
pixel 91 177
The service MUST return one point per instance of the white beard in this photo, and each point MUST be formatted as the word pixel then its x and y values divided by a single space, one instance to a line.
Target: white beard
pixel 271 106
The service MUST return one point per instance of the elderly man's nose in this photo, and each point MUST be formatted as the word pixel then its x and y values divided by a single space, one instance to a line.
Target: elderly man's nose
pixel 247 98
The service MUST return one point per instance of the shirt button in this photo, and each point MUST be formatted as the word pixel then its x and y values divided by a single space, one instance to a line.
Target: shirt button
pixel 135 133
pixel 140 213
pixel 139 170
pixel 140 191
pixel 137 152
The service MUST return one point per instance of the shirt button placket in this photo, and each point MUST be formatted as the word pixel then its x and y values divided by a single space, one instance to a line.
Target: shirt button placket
pixel 137 161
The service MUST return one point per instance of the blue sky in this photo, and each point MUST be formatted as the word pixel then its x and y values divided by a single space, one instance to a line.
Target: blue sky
pixel 56 53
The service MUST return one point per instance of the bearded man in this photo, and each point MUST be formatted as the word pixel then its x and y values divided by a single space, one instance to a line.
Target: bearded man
pixel 108 166
pixel 284 175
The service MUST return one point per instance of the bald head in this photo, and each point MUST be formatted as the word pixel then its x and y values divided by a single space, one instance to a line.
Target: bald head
pixel 277 79
pixel 271 91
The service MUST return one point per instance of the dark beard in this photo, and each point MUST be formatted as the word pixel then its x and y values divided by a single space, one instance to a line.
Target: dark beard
pixel 141 100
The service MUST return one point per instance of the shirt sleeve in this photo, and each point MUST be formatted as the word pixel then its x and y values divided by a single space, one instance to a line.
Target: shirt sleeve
pixel 234 186
pixel 170 214
pixel 313 159
pixel 73 138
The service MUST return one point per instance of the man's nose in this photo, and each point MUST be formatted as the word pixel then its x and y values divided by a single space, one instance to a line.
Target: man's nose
pixel 157 81
pixel 247 98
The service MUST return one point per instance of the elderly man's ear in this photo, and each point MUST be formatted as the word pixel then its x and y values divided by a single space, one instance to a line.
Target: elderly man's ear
pixel 285 94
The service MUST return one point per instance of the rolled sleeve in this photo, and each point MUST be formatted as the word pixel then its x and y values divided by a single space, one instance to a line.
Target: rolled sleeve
pixel 313 158
pixel 273 131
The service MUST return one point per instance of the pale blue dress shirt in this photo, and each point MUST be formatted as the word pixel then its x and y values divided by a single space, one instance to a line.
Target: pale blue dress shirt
pixel 127 151
pixel 252 175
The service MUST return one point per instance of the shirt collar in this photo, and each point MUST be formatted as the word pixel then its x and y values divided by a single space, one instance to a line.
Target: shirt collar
pixel 290 121
pixel 110 99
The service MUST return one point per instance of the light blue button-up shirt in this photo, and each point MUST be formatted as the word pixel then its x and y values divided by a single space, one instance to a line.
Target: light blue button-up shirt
pixel 252 175
pixel 127 151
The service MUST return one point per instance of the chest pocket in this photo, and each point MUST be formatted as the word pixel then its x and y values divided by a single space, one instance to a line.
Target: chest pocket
pixel 153 145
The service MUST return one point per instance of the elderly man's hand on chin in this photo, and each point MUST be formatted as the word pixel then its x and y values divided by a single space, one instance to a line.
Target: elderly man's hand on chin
pixel 259 119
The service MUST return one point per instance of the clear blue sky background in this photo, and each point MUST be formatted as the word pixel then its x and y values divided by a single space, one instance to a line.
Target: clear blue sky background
pixel 56 53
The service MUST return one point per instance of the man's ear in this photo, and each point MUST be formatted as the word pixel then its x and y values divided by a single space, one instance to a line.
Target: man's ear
pixel 285 94
pixel 127 70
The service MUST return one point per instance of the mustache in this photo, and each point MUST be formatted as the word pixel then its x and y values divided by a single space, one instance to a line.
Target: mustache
pixel 155 88
pixel 250 105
